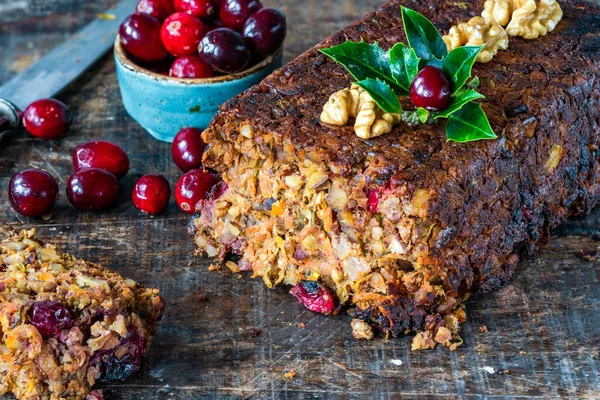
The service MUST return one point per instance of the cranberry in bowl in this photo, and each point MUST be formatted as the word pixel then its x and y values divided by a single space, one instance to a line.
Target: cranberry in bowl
pixel 203 68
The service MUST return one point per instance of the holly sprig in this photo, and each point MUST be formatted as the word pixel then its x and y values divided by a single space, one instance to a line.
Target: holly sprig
pixel 388 75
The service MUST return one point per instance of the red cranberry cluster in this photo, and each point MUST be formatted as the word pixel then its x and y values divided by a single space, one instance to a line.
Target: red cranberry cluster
pixel 202 38
pixel 98 166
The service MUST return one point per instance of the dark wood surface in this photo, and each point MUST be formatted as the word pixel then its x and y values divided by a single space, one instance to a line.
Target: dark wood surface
pixel 544 328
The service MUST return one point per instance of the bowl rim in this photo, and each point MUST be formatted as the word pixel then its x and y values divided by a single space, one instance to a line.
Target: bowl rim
pixel 124 59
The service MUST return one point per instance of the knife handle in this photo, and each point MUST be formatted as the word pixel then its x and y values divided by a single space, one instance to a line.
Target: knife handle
pixel 10 117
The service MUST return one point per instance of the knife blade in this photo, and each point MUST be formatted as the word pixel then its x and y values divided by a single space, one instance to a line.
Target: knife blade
pixel 65 63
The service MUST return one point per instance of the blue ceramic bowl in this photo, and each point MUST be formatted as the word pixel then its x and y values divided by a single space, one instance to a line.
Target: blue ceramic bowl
pixel 163 105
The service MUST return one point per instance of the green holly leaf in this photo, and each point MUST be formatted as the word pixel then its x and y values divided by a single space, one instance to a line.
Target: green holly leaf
pixel 383 95
pixel 459 63
pixel 469 124
pixel 422 36
pixel 404 65
pixel 364 61
pixel 474 84
pixel 423 114
pixel 458 101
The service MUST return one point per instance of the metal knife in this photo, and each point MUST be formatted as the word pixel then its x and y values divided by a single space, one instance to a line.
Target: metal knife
pixel 61 66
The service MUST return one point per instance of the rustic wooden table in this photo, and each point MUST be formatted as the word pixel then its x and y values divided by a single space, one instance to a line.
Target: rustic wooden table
pixel 544 331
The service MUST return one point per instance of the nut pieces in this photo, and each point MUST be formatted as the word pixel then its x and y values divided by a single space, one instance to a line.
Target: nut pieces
pixel 371 121
pixel 526 18
pixel 478 32
pixel 533 19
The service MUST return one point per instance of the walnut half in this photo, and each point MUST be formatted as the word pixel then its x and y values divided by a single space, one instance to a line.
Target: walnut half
pixel 371 121
pixel 475 33
pixel 533 19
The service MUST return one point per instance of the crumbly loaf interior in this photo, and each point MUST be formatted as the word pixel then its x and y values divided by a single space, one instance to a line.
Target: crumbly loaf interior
pixel 114 320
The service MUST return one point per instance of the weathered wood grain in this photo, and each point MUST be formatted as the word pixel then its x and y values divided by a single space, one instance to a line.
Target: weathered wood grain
pixel 543 327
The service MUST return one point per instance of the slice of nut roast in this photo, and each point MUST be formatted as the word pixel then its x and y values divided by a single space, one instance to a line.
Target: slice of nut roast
pixel 405 225
pixel 67 323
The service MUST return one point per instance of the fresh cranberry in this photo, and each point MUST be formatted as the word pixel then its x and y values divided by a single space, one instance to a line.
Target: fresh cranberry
pixel 234 13
pixel 47 119
pixel 266 30
pixel 431 89
pixel 158 67
pixel 194 187
pixel 151 194
pixel 32 192
pixel 159 9
pixel 314 296
pixel 215 24
pixel 191 67
pixel 187 149
pixel 181 34
pixel 224 50
pixel 140 36
pixel 373 197
pixel 101 154
pixel 196 8
pixel 92 189
pixel 50 317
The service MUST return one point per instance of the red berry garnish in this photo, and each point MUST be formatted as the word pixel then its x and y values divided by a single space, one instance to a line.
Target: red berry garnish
pixel 151 194
pixel 140 36
pixel 159 9
pixel 187 149
pixel 32 192
pixel 181 34
pixel 191 67
pixel 196 8
pixel 50 317
pixel 101 154
pixel 194 187
pixel 431 89
pixel 47 119
pixel 92 189
pixel 224 50
pixel 314 296
pixel 234 13
pixel 266 30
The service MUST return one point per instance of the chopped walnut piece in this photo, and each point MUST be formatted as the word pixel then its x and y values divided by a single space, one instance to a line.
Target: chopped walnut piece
pixel 361 330
pixel 423 341
pixel 478 32
pixel 290 374
pixel 443 336
pixel 533 19
pixel 371 121
pixel 554 158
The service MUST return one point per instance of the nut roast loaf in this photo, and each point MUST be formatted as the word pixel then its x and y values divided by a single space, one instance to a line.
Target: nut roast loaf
pixel 449 219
